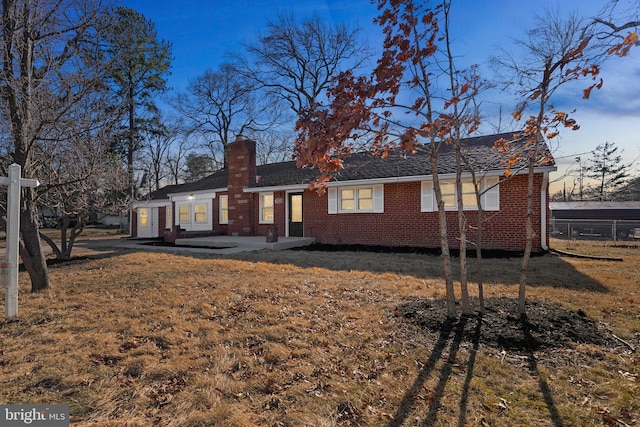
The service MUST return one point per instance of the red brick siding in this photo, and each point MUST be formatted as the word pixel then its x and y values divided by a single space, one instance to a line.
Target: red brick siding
pixel 134 223
pixel 162 220
pixel 402 223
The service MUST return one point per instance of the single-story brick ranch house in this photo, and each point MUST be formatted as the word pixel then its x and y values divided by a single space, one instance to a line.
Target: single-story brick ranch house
pixel 371 201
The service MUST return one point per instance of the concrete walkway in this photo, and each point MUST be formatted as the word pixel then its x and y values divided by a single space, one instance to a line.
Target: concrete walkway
pixel 222 245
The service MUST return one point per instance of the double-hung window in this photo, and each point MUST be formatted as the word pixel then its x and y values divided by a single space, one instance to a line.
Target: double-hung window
pixel 167 219
pixel 489 195
pixel 184 214
pixel 200 213
pixel 356 199
pixel 266 208
pixel 224 209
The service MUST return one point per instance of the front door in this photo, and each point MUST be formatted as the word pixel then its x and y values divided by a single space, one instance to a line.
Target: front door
pixel 144 222
pixel 296 228
pixel 148 222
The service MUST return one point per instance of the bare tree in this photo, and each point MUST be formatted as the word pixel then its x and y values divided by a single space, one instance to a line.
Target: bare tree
pixel 220 105
pixel 156 153
pixel 49 64
pixel 294 61
pixel 80 175
pixel 273 146
pixel 177 157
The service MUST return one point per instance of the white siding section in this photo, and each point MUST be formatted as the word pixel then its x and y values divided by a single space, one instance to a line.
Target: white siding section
pixel 191 201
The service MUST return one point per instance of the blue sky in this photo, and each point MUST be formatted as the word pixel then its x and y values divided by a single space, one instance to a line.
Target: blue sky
pixel 203 32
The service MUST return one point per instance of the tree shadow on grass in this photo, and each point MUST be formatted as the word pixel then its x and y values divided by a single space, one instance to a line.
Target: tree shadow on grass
pixel 547 270
pixel 464 397
pixel 407 404
pixel 547 326
pixel 408 401
pixel 542 383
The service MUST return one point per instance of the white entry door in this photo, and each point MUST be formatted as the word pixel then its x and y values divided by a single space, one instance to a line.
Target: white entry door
pixel 148 222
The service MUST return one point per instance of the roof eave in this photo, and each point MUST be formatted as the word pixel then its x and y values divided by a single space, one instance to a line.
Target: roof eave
pixel 388 180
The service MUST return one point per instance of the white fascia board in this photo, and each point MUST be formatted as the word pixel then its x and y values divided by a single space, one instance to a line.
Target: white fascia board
pixel 151 203
pixel 391 180
pixel 287 188
pixel 543 169
pixel 200 194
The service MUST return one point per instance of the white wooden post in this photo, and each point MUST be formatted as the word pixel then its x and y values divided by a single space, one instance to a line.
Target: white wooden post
pixel 14 182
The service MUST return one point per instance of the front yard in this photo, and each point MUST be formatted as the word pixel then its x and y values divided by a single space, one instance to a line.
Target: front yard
pixel 299 338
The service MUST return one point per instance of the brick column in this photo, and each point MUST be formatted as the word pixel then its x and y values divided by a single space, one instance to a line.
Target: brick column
pixel 241 156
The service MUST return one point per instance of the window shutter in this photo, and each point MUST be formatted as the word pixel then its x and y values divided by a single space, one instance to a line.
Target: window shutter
pixel 378 198
pixel 491 198
pixel 332 194
pixel 426 196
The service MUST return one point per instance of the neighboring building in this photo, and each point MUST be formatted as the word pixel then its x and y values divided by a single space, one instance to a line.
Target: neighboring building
pixel 372 201
pixel 596 210
pixel 595 220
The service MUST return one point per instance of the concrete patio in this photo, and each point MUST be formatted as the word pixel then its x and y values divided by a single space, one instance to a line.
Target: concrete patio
pixel 245 243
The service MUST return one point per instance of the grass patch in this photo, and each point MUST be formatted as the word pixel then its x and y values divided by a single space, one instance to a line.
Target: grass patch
pixel 298 338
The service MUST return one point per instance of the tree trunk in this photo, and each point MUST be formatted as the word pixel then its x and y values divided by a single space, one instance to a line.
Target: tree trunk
pixel 462 225
pixel 479 253
pixel 444 243
pixel 31 250
pixel 529 235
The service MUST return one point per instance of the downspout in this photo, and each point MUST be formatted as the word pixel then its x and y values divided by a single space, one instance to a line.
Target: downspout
pixel 543 211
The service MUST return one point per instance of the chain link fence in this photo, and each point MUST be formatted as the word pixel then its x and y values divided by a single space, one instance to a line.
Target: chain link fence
pixel 595 229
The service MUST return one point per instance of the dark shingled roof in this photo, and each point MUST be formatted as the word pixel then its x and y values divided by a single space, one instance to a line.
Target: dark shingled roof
pixel 479 150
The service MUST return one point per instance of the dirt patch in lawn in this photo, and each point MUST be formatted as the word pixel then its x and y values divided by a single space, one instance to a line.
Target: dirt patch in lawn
pixel 545 326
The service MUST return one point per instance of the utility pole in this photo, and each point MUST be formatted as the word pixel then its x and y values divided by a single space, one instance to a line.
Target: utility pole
pixel 579 160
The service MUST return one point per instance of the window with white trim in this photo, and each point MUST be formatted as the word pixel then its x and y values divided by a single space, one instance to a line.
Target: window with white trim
pixel 356 199
pixel 266 208
pixel 224 209
pixel 200 213
pixel 167 217
pixel 490 197
pixel 184 214
pixel 448 190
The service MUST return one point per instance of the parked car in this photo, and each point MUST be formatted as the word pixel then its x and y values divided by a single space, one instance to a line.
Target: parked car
pixel 634 233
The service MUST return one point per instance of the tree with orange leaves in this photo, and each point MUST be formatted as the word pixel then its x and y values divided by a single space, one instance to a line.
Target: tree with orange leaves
pixel 397 107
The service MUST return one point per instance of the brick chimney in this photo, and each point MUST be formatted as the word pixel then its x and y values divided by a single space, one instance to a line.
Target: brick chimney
pixel 241 155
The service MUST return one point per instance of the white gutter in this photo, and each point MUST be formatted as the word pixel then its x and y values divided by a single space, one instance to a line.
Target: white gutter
pixel 389 180
pixel 150 203
pixel 195 193
pixel 543 211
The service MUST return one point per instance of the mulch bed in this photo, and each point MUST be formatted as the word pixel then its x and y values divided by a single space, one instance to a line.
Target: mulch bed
pixel 546 326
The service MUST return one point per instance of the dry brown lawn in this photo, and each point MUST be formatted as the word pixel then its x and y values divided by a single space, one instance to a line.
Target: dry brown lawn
pixel 298 338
